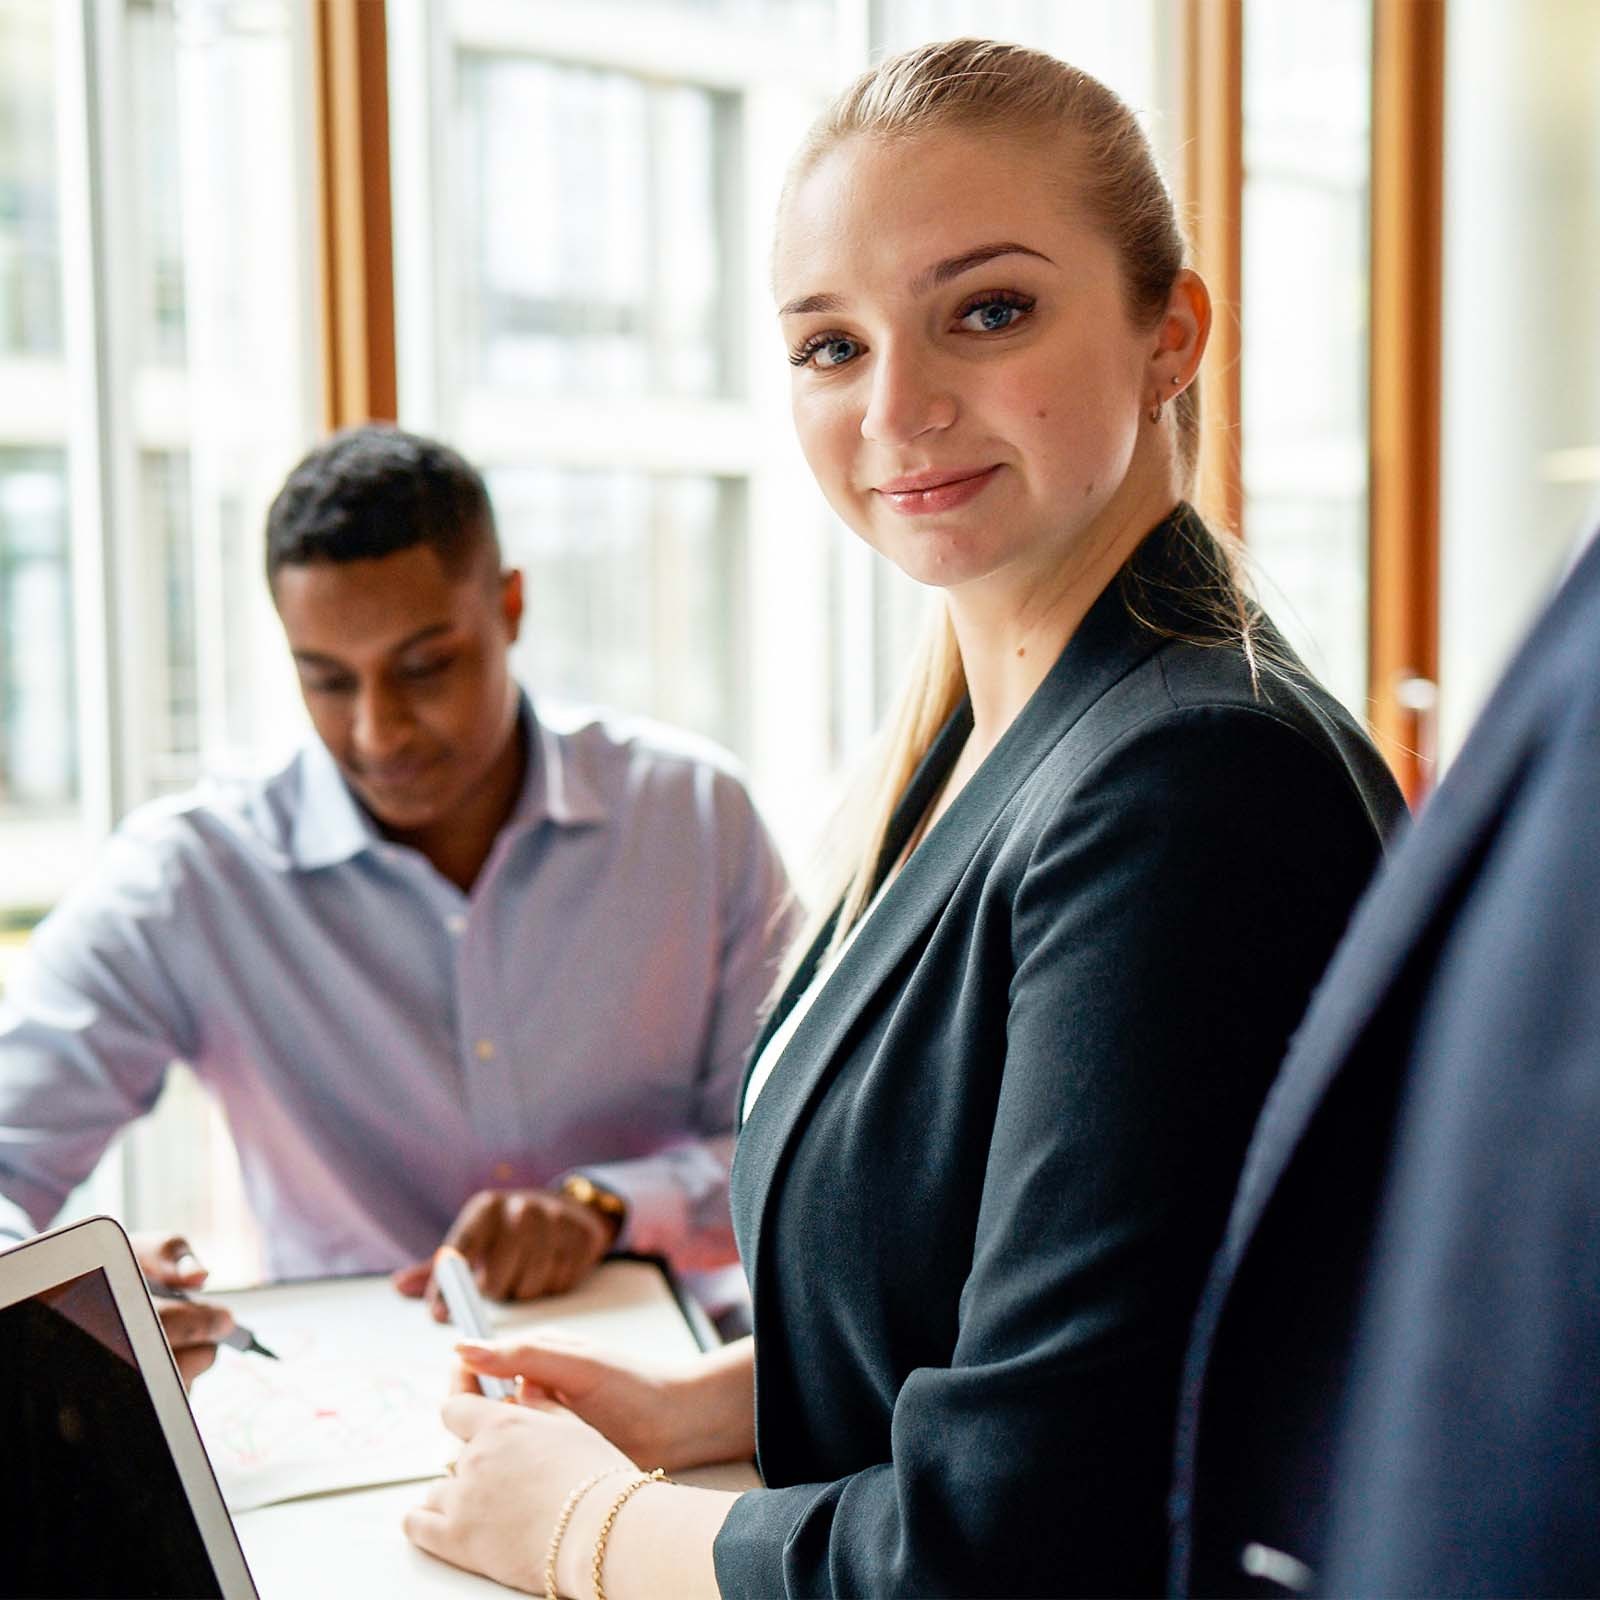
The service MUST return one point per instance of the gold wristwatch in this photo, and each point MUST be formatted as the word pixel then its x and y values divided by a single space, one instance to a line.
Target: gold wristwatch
pixel 610 1208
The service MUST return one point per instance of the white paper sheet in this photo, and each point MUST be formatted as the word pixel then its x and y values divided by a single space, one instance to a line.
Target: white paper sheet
pixel 354 1400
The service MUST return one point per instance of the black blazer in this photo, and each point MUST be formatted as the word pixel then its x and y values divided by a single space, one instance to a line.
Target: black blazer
pixel 977 1196
pixel 1395 1380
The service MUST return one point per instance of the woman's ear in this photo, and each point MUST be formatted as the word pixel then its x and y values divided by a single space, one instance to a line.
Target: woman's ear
pixel 1181 335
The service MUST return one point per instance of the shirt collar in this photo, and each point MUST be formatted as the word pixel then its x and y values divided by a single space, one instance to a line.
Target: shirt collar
pixel 331 826
pixel 555 787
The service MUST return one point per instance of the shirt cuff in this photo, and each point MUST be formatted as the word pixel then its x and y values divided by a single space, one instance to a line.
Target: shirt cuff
pixel 677 1205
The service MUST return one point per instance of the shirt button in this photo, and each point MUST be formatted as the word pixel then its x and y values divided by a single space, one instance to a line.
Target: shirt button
pixel 502 1171
pixel 456 923
pixel 484 1049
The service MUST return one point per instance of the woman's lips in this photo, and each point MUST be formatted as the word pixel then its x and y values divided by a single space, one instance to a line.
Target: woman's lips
pixel 927 492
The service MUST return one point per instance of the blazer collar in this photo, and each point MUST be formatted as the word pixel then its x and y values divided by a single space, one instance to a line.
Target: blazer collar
pixel 1107 645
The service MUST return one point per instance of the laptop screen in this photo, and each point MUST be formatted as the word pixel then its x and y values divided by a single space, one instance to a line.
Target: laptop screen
pixel 94 1503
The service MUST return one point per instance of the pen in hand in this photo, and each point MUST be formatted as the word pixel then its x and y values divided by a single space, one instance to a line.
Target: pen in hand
pixel 241 1338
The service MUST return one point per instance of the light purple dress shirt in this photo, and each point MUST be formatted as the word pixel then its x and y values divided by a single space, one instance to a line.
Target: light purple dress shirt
pixel 384 1045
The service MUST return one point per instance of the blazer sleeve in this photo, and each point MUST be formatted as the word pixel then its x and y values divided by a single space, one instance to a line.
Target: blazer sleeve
pixel 1165 935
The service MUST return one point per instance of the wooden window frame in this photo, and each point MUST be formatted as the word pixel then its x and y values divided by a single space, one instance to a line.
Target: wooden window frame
pixel 349 41
pixel 1406 384
pixel 1211 109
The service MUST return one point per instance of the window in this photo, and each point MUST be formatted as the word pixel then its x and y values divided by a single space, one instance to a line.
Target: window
pixel 592 215
pixel 1307 143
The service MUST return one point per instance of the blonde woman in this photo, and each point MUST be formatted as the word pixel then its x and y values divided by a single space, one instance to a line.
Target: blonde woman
pixel 992 1130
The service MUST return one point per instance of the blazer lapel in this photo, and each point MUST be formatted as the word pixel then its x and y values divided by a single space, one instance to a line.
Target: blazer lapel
pixel 1106 646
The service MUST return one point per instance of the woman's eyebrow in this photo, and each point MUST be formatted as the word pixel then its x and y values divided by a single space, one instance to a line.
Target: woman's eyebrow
pixel 808 304
pixel 953 266
pixel 941 272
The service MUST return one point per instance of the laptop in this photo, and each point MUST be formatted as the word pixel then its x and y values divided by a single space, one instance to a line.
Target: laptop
pixel 105 1485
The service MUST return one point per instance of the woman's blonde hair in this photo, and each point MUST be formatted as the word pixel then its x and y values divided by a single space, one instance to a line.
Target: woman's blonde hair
pixel 980 86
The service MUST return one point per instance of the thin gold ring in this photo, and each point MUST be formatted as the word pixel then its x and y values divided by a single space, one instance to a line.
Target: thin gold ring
pixel 450 1469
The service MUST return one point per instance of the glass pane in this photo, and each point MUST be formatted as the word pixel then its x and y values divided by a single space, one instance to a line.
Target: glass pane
pixel 168 636
pixel 590 229
pixel 634 591
pixel 157 219
pixel 38 715
pixel 30 253
pixel 1307 130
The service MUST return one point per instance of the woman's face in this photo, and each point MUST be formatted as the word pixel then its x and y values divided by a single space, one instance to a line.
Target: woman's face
pixel 968 388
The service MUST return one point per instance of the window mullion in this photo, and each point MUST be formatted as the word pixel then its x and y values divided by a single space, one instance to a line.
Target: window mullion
pixel 99 485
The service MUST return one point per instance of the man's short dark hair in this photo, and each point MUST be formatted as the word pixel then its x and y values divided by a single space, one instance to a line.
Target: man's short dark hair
pixel 371 491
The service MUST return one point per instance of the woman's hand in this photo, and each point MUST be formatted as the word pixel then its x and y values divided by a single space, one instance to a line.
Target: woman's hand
pixel 496 1511
pixel 671 1416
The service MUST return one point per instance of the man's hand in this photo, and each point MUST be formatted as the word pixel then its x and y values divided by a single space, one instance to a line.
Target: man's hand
pixel 192 1327
pixel 520 1244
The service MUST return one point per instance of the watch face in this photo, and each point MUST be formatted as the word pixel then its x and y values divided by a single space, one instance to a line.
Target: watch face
pixel 587 1192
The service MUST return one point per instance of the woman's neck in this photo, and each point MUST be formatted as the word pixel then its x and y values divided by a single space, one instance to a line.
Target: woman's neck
pixel 1010 628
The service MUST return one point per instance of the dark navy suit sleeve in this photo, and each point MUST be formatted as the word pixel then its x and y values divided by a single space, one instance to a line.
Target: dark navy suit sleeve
pixel 1178 905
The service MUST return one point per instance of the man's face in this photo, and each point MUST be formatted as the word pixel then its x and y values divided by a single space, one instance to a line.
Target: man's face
pixel 404 671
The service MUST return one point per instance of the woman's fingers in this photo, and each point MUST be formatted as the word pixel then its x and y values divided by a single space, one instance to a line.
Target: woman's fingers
pixel 429 1530
pixel 466 1414
pixel 464 1381
pixel 546 1366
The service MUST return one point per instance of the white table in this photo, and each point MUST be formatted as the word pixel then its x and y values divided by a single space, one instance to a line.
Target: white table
pixel 308 1450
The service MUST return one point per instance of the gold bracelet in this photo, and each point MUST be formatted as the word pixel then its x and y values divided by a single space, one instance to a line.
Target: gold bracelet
pixel 658 1476
pixel 559 1533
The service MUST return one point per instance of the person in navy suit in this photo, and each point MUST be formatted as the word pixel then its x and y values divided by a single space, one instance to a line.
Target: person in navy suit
pixel 1394 1382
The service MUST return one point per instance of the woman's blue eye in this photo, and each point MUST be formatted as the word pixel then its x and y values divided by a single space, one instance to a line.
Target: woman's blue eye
pixel 826 352
pixel 993 315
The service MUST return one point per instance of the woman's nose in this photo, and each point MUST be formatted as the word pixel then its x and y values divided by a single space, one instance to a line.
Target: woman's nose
pixel 907 398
